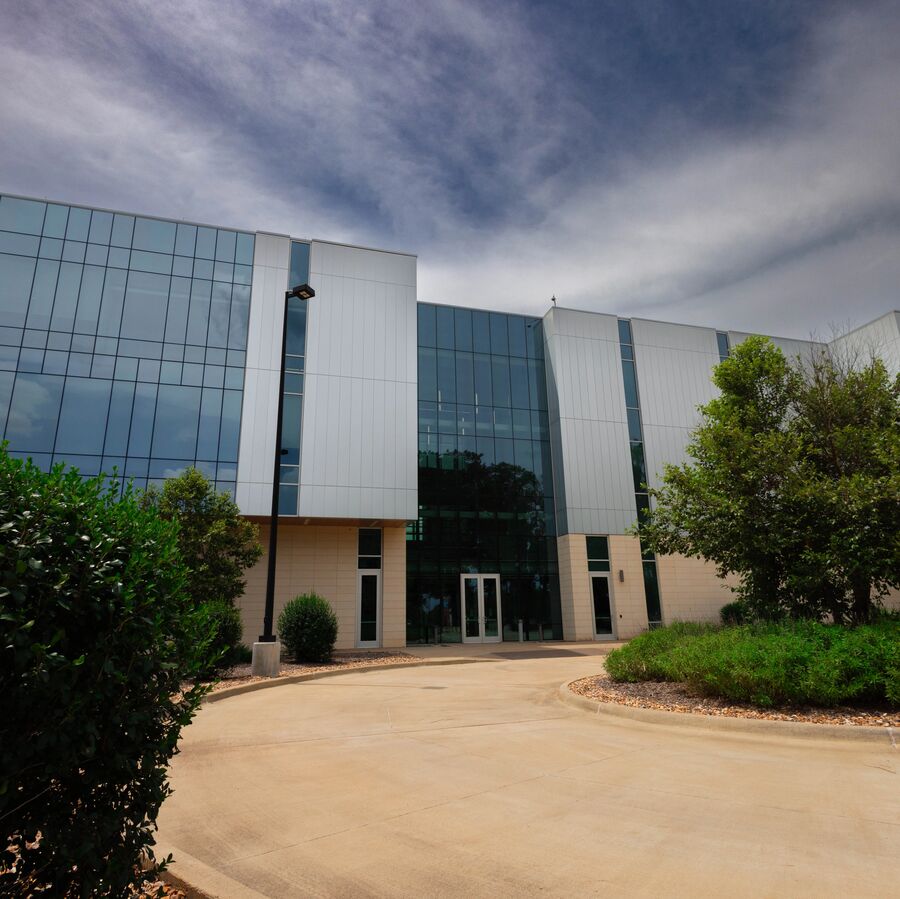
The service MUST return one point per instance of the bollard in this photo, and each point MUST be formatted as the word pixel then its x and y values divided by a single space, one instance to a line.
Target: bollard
pixel 521 631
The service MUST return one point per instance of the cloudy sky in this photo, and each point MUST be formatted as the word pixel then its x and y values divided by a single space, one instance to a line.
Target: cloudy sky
pixel 727 162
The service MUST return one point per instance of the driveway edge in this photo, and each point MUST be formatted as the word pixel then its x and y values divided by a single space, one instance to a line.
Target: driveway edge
pixel 760 727
pixel 316 675
pixel 189 871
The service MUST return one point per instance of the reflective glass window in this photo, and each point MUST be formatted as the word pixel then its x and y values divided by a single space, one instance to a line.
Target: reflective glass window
pixel 516 329
pixel 446 338
pixel 79 224
pixel 122 229
pixel 299 273
pixel 206 243
pixel 296 334
pixel 16 275
pixel 101 227
pixel 55 220
pixel 82 419
pixel 34 412
pixel 499 335
pixel 177 419
pixel 462 323
pixel 481 332
pixel 24 216
pixel 631 392
pixel 225 244
pixel 185 238
pixel 625 331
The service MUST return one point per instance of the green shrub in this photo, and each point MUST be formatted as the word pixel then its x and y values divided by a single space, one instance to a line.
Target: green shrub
pixel 646 657
pixel 308 628
pixel 736 612
pixel 768 664
pixel 97 637
pixel 225 644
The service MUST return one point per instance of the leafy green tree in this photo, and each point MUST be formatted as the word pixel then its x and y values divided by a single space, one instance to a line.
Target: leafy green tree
pixel 793 485
pixel 99 641
pixel 217 544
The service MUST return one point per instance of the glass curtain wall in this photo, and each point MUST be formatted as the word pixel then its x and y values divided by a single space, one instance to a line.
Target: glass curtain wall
pixel 122 341
pixel 485 478
pixel 294 366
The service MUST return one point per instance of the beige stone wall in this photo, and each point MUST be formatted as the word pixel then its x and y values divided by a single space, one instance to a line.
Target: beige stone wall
pixel 575 588
pixel 690 589
pixel 629 601
pixel 323 559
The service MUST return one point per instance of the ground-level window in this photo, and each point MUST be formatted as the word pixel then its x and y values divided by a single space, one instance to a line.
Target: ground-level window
pixel 368 602
pixel 599 572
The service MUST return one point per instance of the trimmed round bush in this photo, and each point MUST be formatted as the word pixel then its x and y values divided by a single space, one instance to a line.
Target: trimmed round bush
pixel 99 643
pixel 225 643
pixel 308 628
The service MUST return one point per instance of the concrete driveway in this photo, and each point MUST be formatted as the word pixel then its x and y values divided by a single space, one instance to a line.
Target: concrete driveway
pixel 475 780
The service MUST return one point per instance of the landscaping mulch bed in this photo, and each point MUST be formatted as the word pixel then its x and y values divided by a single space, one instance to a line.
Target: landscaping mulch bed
pixel 240 674
pixel 675 697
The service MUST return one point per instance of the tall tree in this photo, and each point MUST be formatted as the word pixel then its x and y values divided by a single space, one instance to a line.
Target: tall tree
pixel 793 484
pixel 217 544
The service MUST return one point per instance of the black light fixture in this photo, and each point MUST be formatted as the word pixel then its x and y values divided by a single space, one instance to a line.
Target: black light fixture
pixel 300 292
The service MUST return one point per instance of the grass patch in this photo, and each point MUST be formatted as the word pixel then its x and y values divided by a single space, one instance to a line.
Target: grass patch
pixel 788 663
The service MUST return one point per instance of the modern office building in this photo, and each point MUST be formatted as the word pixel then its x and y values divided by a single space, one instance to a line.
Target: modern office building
pixel 447 473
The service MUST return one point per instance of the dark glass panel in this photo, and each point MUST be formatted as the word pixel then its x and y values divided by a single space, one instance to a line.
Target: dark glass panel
pixel 537 384
pixel 122 229
pixel 502 422
pixel 50 248
pixel 111 304
pixel 518 372
pixel 82 418
pixel 33 412
pixel 465 421
pixel 16 276
pixel 427 374
pixel 481 332
pixel 225 244
pixel 296 330
pixel 144 261
pixel 643 506
pixel 210 416
pixel 119 419
pixel 206 243
pixel 231 426
pixel 446 418
pixel 287 499
pixel 651 591
pixel 24 216
pixel 368 608
pixel 428 417
pixel 597 547
pixel 634 424
pixel 299 273
pixel 290 436
pixel 101 227
pixel 146 298
pixel 462 319
pixel 484 421
pixel 722 341
pixel 465 384
pixel 141 418
pixel 499 335
pixel 66 299
pixel 517 342
pixel 638 467
pixel 19 244
pixel 524 457
pixel 154 235
pixel 55 220
pixel 483 392
pixel 521 423
pixel 198 314
pixel 177 419
pixel 500 380
pixel 219 313
pixel 630 378
pixel 627 351
pixel 243 254
pixel 426 325
pixel 369 562
pixel 625 331
pixel 598 565
pixel 96 254
pixel 445 327
pixel 179 303
pixel 369 542
pixel 534 335
pixel 446 376
pixel 79 224
pixel 504 449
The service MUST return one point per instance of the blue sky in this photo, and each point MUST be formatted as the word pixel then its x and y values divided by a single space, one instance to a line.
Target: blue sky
pixel 719 162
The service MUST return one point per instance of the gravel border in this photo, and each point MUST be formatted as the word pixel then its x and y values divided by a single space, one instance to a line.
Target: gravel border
pixel 675 697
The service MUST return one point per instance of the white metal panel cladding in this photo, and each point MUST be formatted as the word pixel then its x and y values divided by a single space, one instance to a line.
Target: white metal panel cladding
pixel 674 371
pixel 588 425
pixel 271 259
pixel 359 450
pixel 790 348
pixel 881 337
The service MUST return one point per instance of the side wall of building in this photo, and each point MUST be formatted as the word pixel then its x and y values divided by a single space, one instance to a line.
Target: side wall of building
pixel 323 559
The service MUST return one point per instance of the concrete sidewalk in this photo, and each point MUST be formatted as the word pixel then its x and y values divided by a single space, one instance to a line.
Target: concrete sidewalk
pixel 474 780
pixel 512 650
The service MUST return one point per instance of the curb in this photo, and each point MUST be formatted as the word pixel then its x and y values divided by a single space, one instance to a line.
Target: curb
pixel 760 727
pixel 317 675
pixel 190 870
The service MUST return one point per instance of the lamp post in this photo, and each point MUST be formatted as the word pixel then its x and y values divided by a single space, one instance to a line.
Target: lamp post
pixel 266 651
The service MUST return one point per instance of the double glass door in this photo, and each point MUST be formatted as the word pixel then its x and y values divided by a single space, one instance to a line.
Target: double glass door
pixel 480 607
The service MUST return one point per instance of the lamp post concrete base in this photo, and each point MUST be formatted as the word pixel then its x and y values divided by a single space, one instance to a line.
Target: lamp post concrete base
pixel 266 659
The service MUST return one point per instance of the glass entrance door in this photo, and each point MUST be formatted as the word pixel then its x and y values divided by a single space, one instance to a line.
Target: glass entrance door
pixel 600 595
pixel 480 596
